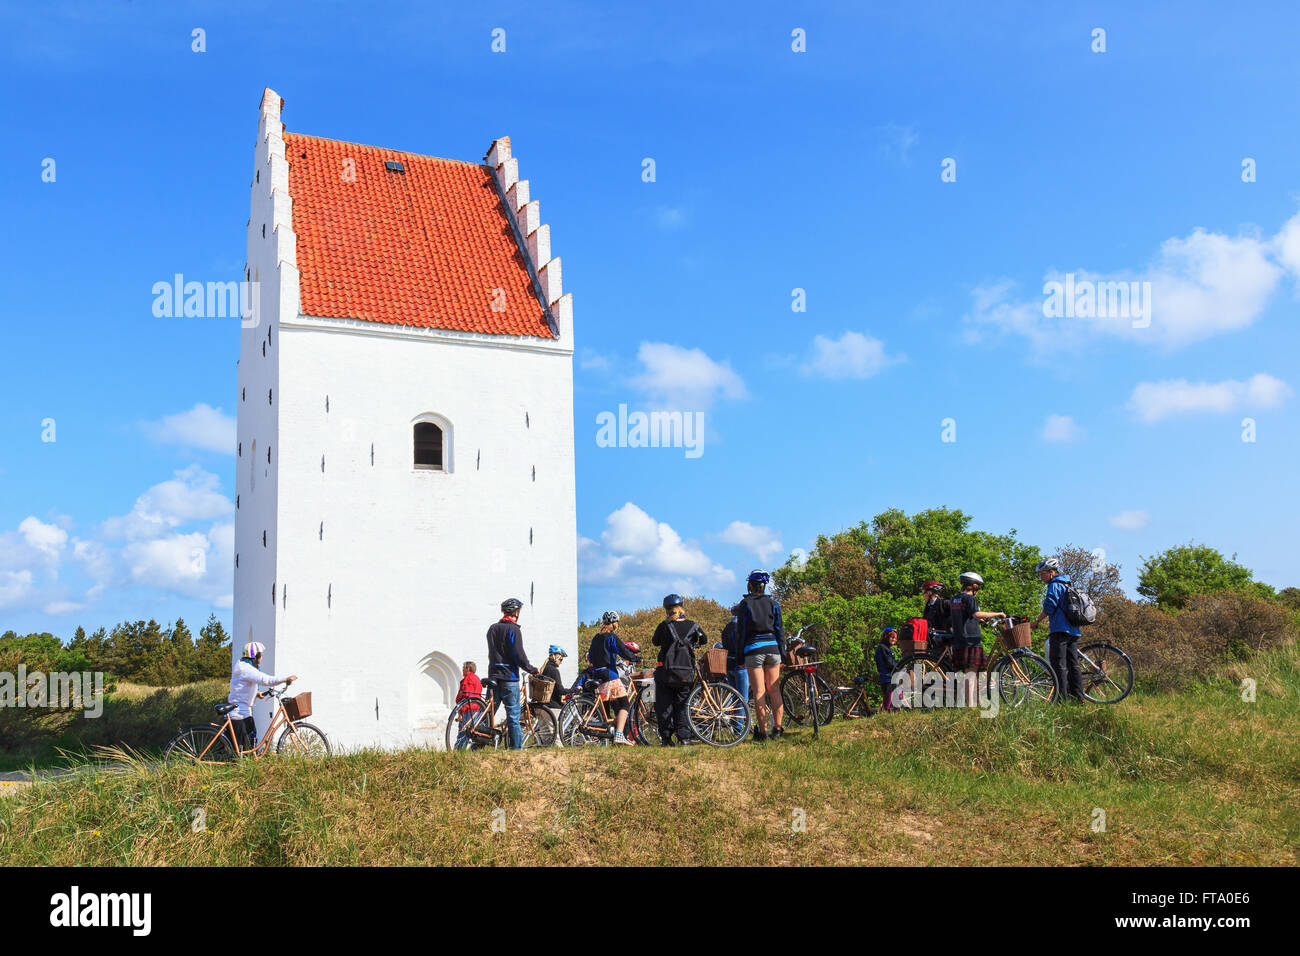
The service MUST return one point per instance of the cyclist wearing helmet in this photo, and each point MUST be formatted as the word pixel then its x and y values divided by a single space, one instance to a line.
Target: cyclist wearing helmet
pixel 762 640
pixel 886 661
pixel 506 658
pixel 670 697
pixel 246 681
pixel 967 641
pixel 1063 637
pixel 551 671
pixel 604 654
pixel 938 609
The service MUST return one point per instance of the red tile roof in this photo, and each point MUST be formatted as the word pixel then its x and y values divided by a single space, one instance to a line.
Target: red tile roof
pixel 427 247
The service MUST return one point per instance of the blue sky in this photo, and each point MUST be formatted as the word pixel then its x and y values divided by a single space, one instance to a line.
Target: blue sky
pixel 775 170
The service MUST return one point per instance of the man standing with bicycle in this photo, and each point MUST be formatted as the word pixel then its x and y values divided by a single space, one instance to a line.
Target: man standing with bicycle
pixel 506 658
pixel 1063 637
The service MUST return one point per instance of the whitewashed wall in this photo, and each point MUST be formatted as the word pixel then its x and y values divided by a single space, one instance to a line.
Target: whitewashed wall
pixel 393 575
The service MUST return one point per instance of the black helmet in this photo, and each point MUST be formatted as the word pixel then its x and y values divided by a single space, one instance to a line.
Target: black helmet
pixel 511 606
pixel 673 600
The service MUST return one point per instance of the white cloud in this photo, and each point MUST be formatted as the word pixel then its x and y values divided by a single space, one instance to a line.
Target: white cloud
pixel 1155 401
pixel 1061 428
pixel 59 608
pixel 14 587
pixel 1201 285
pixel 763 542
pixel 636 553
pixel 852 355
pixel 47 539
pixel 192 495
pixel 201 427
pixel 685 379
pixel 593 361
pixel 1130 520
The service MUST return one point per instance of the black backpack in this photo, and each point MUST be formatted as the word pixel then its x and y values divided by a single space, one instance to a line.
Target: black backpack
pixel 679 656
pixel 1078 607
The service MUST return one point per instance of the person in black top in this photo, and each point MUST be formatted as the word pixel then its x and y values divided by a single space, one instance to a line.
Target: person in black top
pixel 506 658
pixel 967 640
pixel 551 671
pixel 670 698
pixel 762 641
pixel 938 609
pixel 885 664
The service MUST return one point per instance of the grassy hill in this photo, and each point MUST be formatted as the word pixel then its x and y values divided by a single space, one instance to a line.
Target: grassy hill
pixel 1196 777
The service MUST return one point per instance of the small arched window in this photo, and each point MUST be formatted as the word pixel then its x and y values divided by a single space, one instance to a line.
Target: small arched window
pixel 429 447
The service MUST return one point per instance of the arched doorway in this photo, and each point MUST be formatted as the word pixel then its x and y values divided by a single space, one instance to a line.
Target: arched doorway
pixel 431 696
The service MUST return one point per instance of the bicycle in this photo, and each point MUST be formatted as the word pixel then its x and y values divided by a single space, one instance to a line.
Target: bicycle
pixel 1021 675
pixel 473 724
pixel 863 699
pixel 218 743
pixel 1107 672
pixel 796 694
pixel 811 687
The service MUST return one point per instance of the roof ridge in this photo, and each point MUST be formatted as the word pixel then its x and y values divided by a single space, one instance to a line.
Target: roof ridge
pixel 391 149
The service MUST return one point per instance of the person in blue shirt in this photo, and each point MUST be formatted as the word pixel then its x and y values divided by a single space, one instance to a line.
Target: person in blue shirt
pixel 762 641
pixel 885 664
pixel 1063 637
pixel 604 653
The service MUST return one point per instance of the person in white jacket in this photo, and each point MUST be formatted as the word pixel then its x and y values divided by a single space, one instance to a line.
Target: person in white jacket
pixel 246 681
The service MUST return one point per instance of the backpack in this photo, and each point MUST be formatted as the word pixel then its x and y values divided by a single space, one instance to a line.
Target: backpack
pixel 679 657
pixel 1078 607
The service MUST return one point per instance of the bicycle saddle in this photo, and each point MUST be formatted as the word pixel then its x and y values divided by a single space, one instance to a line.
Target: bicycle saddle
pixel 862 679
pixel 805 650
pixel 589 686
pixel 224 708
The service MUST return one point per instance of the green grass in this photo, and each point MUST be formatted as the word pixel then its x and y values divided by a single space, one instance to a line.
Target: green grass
pixel 1198 777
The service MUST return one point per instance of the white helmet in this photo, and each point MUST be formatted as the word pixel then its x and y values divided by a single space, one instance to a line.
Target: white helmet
pixel 254 649
pixel 970 577
pixel 1048 564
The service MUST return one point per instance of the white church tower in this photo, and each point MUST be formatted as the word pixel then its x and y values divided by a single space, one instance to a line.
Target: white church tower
pixel 405 438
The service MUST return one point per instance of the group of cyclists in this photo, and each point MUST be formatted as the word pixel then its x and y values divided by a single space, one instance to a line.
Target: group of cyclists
pixel 756 647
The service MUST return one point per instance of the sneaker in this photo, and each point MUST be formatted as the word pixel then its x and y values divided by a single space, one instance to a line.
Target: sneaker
pixel 776 732
pixel 760 735
pixel 622 739
pixel 666 742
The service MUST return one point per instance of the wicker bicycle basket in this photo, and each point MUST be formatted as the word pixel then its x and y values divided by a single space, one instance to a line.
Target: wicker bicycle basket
pixel 714 664
pixel 297 707
pixel 540 690
pixel 1016 636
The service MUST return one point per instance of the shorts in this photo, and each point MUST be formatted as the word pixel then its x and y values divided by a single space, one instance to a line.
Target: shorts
pixel 762 658
pixel 611 689
pixel 969 658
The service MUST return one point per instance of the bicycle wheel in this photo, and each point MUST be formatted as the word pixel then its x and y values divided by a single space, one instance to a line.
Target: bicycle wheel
pixel 794 695
pixel 1107 672
pixel 201 739
pixel 814 713
pixel 540 731
pixel 919 671
pixel 642 722
pixel 1024 676
pixel 718 715
pixel 577 712
pixel 304 740
pixel 468 727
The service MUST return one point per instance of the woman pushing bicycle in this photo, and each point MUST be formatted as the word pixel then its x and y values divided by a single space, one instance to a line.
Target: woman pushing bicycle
pixel 246 681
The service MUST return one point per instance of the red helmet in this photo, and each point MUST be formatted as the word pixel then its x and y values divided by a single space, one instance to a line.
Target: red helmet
pixel 932 586
pixel 633 646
